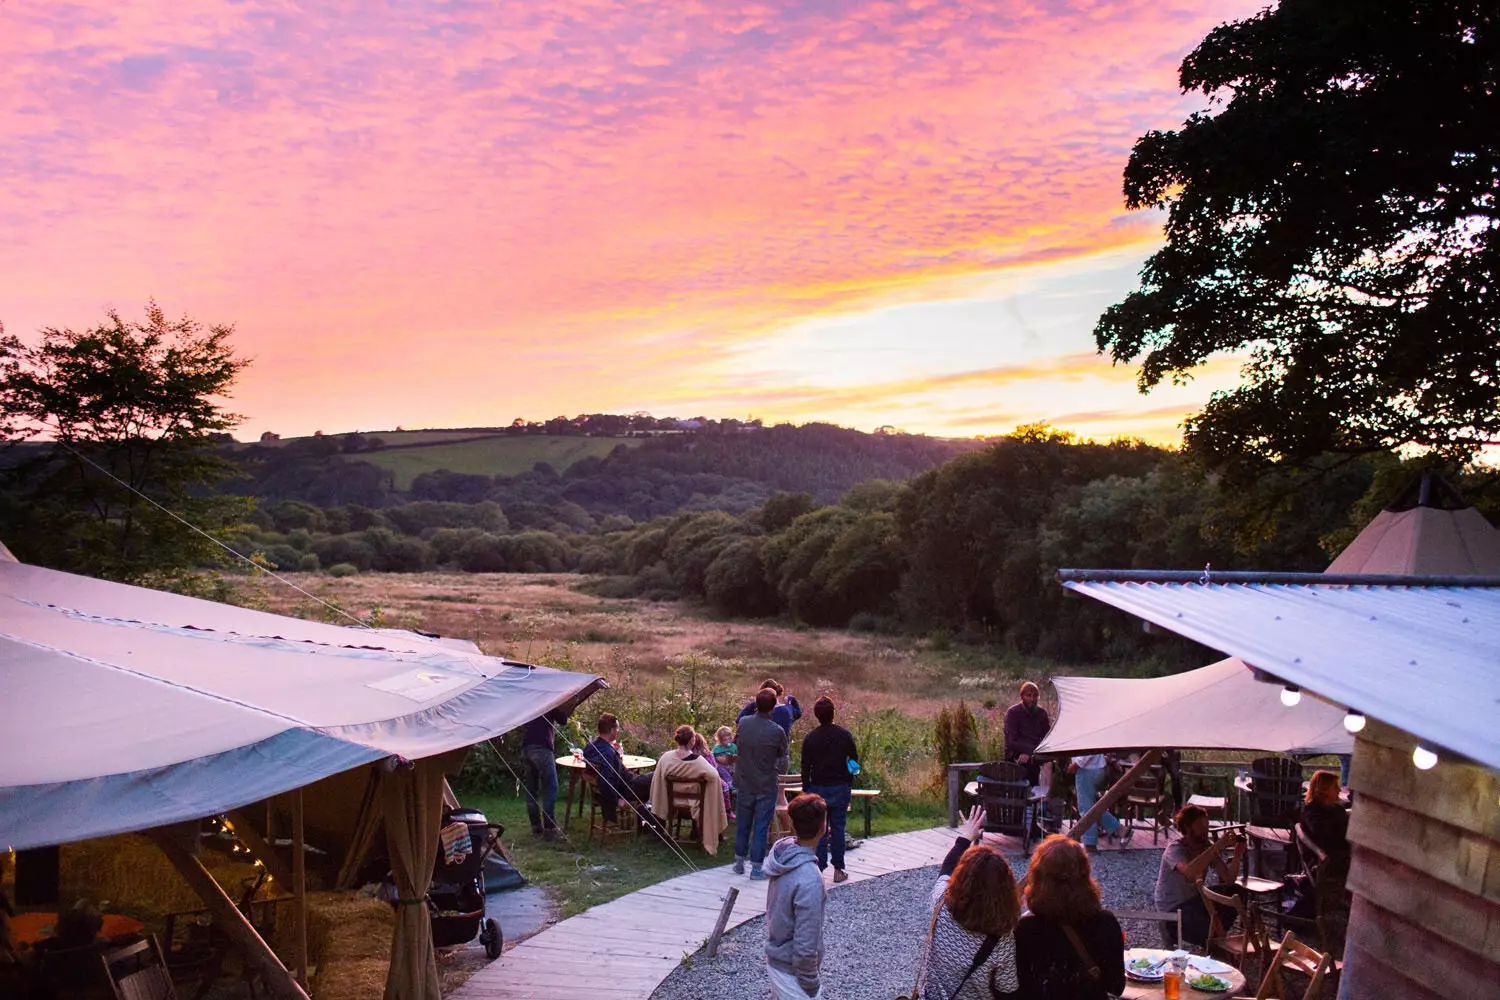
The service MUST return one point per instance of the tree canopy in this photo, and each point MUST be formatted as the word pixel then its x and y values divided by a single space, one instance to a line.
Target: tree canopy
pixel 1335 217
pixel 119 418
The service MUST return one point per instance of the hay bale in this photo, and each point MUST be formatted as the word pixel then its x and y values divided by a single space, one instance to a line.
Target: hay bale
pixel 349 944
pixel 132 873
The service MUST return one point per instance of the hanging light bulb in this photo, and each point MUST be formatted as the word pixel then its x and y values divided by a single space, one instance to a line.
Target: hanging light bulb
pixel 1290 695
pixel 1354 721
pixel 1424 758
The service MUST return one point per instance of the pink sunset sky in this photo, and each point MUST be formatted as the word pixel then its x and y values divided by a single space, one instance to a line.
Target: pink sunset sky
pixel 456 213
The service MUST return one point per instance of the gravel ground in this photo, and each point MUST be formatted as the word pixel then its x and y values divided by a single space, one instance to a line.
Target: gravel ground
pixel 874 929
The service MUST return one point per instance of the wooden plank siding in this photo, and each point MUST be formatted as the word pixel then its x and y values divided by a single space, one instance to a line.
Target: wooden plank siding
pixel 1425 875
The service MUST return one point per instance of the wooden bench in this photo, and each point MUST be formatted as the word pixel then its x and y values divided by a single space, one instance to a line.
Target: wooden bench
pixel 865 795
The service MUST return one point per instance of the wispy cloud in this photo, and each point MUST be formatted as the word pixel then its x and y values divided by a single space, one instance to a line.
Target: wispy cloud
pixel 414 209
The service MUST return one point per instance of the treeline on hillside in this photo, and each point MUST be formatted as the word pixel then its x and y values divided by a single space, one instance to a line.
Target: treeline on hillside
pixel 970 547
pixel 706 469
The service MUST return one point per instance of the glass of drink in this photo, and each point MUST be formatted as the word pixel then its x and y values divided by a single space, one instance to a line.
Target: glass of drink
pixel 1172 976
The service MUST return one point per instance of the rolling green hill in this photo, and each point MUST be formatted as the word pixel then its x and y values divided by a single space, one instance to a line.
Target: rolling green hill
pixel 501 455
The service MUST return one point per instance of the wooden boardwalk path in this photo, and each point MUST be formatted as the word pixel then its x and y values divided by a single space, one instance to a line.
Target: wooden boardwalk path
pixel 626 947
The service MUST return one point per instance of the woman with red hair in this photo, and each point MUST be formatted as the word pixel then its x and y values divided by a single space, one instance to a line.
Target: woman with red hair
pixel 971 953
pixel 1069 947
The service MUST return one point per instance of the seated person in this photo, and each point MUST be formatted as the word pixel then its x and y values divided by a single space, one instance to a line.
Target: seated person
pixel 1062 896
pixel 1188 859
pixel 1324 818
pixel 725 752
pixel 616 783
pixel 689 764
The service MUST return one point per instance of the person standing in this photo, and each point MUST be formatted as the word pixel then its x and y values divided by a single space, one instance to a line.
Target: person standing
pixel 763 748
pixel 826 753
pixel 786 712
pixel 794 904
pixel 540 773
pixel 1088 774
pixel 1026 725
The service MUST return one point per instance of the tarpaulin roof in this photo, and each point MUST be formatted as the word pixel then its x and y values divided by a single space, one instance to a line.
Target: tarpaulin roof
pixel 1220 707
pixel 1424 659
pixel 123 708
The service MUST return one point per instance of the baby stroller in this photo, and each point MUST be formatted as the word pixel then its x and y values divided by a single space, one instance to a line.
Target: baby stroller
pixel 455 899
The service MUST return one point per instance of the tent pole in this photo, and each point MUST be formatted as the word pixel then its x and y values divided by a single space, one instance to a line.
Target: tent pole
pixel 299 886
pixel 259 846
pixel 278 981
pixel 1116 792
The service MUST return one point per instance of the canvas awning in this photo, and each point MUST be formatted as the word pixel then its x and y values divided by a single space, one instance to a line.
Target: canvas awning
pixel 123 708
pixel 1218 707
pixel 1425 659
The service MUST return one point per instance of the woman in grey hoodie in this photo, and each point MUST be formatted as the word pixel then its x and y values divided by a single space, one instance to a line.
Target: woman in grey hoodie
pixel 794 903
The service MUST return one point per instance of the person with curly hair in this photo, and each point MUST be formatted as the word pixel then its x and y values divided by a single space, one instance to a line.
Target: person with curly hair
pixel 1068 947
pixel 971 954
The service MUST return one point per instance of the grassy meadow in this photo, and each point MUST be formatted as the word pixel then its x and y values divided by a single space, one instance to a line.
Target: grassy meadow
pixel 499 455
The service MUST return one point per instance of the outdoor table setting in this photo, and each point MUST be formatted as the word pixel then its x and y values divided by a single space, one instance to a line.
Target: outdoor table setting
pixel 574 765
pixel 1146 972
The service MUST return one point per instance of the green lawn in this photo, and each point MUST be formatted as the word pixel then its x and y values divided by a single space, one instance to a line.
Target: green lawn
pixel 582 875
pixel 501 455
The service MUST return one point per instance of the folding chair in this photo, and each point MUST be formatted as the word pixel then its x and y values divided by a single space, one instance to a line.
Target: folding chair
pixel 139 972
pixel 1146 803
pixel 1234 946
pixel 1298 957
pixel 1171 923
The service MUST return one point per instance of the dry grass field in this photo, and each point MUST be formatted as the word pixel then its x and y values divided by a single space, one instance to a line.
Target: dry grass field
pixel 543 618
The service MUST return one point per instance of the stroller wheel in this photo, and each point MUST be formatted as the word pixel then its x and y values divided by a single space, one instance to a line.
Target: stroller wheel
pixel 492 940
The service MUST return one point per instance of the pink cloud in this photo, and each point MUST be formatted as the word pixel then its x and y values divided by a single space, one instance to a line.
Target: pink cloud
pixel 416 202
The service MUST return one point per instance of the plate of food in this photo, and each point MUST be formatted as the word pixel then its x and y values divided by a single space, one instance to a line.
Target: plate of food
pixel 1146 968
pixel 1207 983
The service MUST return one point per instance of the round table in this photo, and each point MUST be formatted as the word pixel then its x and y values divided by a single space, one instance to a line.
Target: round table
pixel 574 766
pixel 1141 991
pixel 29 928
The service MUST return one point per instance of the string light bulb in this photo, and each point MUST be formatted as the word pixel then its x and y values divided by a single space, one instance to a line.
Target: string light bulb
pixel 1354 721
pixel 1291 695
pixel 1424 758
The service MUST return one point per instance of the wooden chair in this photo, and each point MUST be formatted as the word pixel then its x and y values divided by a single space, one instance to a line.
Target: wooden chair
pixel 1328 876
pixel 1234 946
pixel 625 818
pixel 1299 958
pixel 1146 803
pixel 1005 793
pixel 685 802
pixel 1275 805
pixel 785 784
pixel 1171 923
pixel 1202 787
pixel 139 972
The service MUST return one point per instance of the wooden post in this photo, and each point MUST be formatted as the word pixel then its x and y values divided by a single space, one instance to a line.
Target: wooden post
pixel 259 846
pixel 299 887
pixel 713 939
pixel 278 981
pixel 1117 792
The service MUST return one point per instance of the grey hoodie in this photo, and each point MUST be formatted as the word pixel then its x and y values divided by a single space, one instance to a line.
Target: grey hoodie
pixel 794 912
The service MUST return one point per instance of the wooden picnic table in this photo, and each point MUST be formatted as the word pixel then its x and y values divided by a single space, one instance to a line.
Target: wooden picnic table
pixel 575 766
pixel 1135 990
pixel 865 795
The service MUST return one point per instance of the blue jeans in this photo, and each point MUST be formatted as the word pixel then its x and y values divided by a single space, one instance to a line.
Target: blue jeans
pixel 752 825
pixel 837 797
pixel 1087 782
pixel 541 787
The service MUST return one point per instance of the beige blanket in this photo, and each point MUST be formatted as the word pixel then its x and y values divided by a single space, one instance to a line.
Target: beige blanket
pixel 712 822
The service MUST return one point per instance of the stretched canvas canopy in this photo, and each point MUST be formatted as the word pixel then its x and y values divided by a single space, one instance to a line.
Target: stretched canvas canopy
pixel 126 708
pixel 1217 707
pixel 1223 706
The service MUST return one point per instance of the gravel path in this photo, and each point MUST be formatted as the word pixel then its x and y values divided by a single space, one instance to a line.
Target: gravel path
pixel 874 929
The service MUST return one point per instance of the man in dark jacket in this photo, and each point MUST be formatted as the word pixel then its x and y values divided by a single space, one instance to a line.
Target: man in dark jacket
pixel 1026 725
pixel 826 753
pixel 540 773
pixel 615 782
pixel 763 748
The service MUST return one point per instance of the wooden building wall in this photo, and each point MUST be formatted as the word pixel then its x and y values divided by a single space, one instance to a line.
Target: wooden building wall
pixel 1425 878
